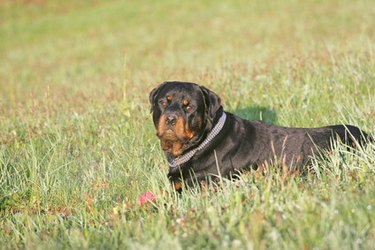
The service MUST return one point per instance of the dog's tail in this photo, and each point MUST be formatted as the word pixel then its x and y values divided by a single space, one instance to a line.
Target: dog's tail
pixel 352 135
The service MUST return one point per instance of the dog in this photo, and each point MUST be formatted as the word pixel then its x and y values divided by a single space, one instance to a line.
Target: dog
pixel 202 141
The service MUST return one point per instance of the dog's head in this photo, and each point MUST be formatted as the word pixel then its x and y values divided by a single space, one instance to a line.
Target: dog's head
pixel 183 114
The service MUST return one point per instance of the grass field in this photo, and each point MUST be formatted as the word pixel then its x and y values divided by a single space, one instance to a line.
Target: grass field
pixel 77 144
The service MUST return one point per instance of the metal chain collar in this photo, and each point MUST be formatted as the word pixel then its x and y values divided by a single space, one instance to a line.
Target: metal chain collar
pixel 187 156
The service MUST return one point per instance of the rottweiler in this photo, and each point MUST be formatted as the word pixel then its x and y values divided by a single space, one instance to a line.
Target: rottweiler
pixel 200 140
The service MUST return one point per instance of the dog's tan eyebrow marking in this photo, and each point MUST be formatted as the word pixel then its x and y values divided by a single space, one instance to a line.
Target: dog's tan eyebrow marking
pixel 185 102
pixel 169 98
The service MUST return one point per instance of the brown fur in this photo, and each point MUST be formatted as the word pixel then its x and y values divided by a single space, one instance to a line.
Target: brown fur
pixel 172 140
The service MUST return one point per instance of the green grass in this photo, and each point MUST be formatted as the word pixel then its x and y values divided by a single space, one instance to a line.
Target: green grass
pixel 77 144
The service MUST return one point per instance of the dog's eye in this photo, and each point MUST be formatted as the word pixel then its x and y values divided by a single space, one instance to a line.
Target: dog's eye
pixel 189 108
pixel 164 103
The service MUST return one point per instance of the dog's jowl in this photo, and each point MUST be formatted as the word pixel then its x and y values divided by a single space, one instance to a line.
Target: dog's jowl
pixel 201 140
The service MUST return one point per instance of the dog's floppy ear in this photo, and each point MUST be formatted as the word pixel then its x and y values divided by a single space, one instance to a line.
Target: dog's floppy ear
pixel 153 95
pixel 212 102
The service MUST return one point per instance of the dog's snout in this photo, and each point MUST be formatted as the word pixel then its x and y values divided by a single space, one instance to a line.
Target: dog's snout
pixel 171 119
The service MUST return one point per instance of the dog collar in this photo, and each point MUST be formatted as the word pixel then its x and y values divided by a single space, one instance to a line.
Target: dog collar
pixel 187 156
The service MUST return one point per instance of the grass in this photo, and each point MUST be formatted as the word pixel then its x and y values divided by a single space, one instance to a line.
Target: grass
pixel 77 145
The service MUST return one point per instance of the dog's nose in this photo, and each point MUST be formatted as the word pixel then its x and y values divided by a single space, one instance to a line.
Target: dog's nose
pixel 171 119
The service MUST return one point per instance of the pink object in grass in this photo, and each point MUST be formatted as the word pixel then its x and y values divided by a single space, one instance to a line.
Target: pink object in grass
pixel 146 197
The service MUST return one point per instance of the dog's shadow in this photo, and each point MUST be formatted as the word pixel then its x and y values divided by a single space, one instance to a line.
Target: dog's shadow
pixel 260 113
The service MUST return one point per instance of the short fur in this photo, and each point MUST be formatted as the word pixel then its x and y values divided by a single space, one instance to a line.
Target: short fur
pixel 240 145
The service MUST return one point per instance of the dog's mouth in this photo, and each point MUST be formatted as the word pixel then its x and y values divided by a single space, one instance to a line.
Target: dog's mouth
pixel 171 142
pixel 168 134
pixel 174 138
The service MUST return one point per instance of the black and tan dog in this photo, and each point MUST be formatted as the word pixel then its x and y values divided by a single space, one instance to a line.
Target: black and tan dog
pixel 201 140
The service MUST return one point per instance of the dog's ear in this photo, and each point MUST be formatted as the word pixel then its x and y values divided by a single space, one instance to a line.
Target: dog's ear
pixel 212 102
pixel 153 95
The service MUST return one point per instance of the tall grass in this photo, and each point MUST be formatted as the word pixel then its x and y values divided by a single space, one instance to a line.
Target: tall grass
pixel 77 145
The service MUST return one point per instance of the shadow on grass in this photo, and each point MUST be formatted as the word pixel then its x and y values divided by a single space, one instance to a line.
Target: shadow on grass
pixel 264 114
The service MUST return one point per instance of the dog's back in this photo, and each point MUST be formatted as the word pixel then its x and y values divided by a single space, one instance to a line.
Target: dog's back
pixel 295 146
